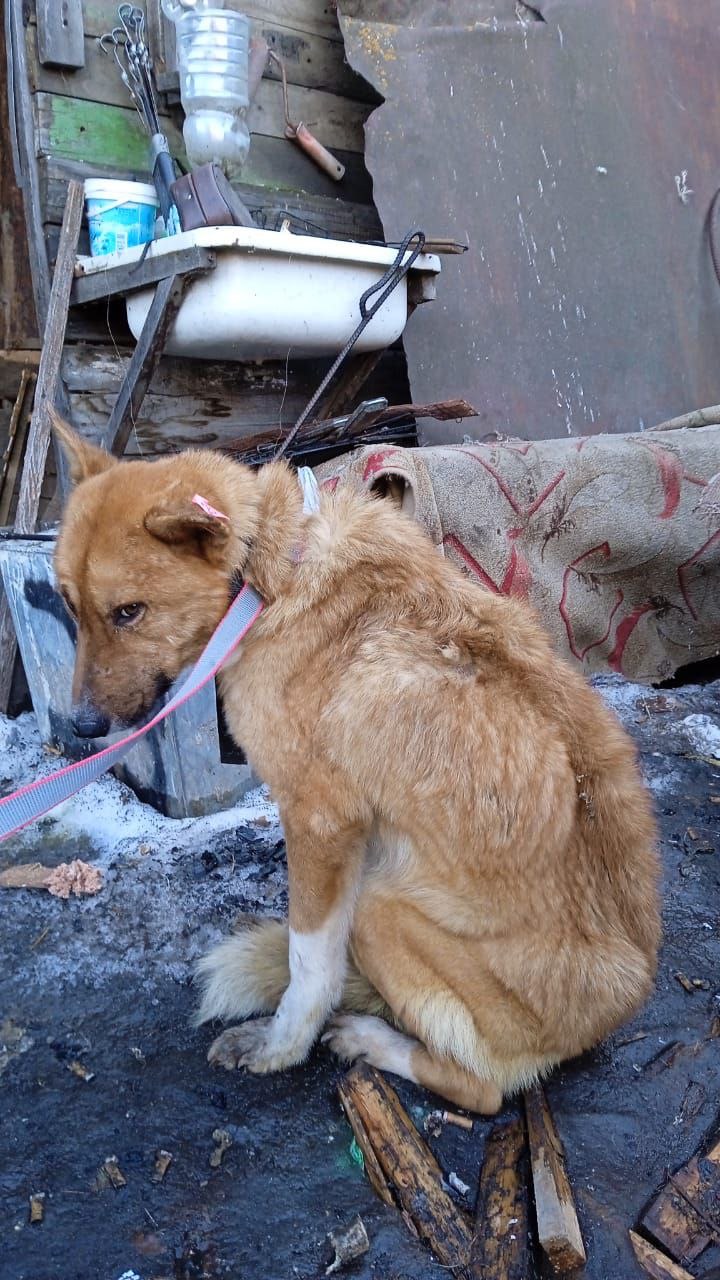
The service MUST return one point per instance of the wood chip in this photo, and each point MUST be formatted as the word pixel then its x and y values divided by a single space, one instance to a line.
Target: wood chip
pixel 685 1217
pixel 81 1071
pixel 37 1206
pixel 408 1166
pixel 349 1243
pixel 110 1175
pixel 163 1160
pixel 28 875
pixel 223 1140
pixel 692 984
pixel 500 1246
pixel 69 877
pixel 656 1264
pixel 557 1222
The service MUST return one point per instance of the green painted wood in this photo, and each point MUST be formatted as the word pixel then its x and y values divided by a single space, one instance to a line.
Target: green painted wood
pixel 97 133
pixel 338 121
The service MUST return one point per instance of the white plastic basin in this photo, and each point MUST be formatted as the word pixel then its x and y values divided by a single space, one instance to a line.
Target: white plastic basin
pixel 273 294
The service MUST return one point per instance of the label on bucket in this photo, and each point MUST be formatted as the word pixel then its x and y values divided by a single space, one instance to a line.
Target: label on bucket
pixel 115 226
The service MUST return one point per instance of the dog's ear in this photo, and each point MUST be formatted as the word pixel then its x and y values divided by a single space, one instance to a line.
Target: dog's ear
pixel 185 522
pixel 85 459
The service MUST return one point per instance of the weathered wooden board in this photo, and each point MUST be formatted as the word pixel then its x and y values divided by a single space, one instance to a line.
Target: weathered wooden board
pixel 112 137
pixel 60 33
pixel 96 133
pixel 312 213
pixel 313 16
pixel 336 120
pixel 193 404
pixel 311 61
pixel 18 322
pixel 557 1222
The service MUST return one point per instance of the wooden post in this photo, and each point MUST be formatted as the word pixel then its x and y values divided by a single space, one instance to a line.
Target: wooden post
pixel 557 1222
pixel 50 359
pixel 45 392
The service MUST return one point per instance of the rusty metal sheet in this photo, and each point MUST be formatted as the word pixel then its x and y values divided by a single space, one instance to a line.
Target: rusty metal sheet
pixel 576 145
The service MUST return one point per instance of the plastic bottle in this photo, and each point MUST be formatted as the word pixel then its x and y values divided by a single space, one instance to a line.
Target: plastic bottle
pixel 212 55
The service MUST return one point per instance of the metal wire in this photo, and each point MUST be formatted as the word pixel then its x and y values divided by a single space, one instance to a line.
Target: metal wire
pixel 383 288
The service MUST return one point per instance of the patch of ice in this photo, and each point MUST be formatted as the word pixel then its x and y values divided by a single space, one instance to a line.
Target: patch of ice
pixel 107 812
pixel 704 734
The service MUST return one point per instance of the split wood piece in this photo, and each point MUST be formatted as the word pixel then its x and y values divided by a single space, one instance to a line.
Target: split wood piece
pixel 557 1222
pixel 657 1265
pixel 684 1217
pixel 376 1177
pixel 110 1175
pixel 37 1206
pixel 408 1166
pixel 500 1245
pixel 334 429
pixel 163 1160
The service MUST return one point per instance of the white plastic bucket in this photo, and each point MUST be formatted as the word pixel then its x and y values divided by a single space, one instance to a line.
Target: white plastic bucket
pixel 120 214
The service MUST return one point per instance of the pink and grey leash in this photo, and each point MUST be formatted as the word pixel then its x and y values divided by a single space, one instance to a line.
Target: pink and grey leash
pixel 36 799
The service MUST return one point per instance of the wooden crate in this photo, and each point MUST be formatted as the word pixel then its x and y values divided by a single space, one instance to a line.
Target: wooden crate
pixel 176 767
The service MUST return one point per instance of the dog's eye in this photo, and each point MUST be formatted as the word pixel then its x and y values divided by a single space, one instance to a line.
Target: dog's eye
pixel 126 614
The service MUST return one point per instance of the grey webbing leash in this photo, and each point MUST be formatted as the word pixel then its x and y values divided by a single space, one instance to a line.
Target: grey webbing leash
pixel 36 799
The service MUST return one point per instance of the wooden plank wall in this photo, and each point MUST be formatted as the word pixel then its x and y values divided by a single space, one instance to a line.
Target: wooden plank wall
pixel 85 127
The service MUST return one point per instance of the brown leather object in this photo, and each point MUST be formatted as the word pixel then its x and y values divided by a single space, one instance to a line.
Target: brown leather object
pixel 204 198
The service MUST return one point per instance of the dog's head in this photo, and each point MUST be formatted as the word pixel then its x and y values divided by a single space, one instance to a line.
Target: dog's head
pixel 145 571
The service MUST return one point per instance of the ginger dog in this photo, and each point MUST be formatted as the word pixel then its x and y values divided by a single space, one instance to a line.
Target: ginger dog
pixel 470 848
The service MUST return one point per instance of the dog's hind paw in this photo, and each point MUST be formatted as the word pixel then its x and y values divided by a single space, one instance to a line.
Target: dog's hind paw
pixel 352 1036
pixel 252 1045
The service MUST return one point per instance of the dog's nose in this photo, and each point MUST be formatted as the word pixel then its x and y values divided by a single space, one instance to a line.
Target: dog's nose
pixel 88 722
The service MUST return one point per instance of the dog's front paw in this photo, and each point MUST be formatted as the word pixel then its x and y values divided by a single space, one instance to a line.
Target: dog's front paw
pixel 251 1045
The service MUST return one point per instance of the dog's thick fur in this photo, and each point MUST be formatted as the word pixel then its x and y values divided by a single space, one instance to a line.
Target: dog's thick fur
pixel 470 848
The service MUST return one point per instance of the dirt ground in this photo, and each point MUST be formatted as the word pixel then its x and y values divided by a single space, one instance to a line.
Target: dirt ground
pixel 106 981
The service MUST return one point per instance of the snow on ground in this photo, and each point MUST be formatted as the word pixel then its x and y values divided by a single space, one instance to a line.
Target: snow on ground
pixel 107 812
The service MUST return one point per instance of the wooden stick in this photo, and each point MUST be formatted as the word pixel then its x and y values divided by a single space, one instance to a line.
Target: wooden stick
pixel 332 429
pixel 655 1263
pixel 45 391
pixel 14 448
pixel 408 1166
pixel 500 1245
pixel 557 1222
pixel 49 369
pixel 709 417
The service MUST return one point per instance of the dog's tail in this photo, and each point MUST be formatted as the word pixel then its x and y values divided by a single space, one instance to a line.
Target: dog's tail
pixel 249 971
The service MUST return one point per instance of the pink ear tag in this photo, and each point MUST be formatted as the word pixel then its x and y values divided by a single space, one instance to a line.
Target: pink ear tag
pixel 204 505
